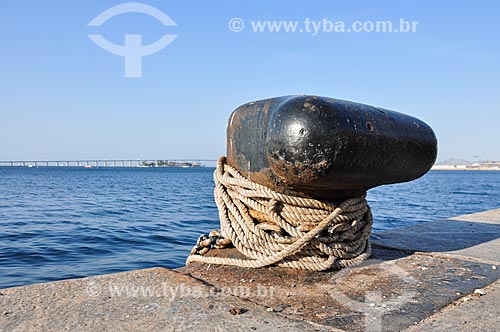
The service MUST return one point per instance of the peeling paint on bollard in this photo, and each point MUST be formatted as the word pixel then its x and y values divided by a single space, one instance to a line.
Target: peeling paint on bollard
pixel 326 148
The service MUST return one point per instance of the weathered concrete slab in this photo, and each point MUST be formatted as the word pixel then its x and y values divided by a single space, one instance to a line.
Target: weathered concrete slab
pixel 146 300
pixel 391 294
pixel 474 313
pixel 490 216
pixel 474 235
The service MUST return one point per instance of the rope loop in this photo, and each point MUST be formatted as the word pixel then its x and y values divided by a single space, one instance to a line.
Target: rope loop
pixel 271 228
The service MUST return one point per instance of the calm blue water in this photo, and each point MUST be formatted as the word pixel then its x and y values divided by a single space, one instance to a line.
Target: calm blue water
pixel 58 223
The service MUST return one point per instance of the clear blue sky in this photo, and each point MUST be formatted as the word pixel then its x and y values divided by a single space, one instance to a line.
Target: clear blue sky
pixel 63 97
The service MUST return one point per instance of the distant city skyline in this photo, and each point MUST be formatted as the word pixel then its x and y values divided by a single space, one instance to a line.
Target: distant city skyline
pixel 64 97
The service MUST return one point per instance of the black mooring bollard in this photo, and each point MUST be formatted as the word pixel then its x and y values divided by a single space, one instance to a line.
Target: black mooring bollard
pixel 326 148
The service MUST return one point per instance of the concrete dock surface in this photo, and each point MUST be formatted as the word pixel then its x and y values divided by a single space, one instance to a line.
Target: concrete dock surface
pixel 436 276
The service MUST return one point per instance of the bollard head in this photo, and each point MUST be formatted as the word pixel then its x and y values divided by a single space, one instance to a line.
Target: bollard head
pixel 326 148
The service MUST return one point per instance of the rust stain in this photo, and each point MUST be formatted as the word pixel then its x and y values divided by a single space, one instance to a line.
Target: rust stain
pixel 297 173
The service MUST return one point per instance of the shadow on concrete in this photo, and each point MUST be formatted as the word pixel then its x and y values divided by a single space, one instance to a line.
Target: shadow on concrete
pixel 465 238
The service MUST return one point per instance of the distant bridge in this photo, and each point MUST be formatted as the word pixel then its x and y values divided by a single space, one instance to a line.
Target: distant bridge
pixel 107 163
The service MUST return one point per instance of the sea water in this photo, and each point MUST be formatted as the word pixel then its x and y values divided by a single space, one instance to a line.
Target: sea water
pixel 68 222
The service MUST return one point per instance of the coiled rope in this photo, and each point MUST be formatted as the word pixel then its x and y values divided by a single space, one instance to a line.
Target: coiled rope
pixel 272 228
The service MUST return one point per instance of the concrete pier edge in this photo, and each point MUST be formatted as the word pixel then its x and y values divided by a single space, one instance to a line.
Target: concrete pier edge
pixel 441 276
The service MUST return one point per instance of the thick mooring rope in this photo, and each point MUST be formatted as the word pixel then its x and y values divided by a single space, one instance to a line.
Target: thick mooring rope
pixel 272 228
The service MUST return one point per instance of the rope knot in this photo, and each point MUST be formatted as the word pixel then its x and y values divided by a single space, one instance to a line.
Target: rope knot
pixel 273 228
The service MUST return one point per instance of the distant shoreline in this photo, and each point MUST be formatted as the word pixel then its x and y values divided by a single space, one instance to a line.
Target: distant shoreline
pixel 463 168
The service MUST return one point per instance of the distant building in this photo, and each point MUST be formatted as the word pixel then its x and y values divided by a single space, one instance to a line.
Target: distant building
pixel 491 164
pixel 483 166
